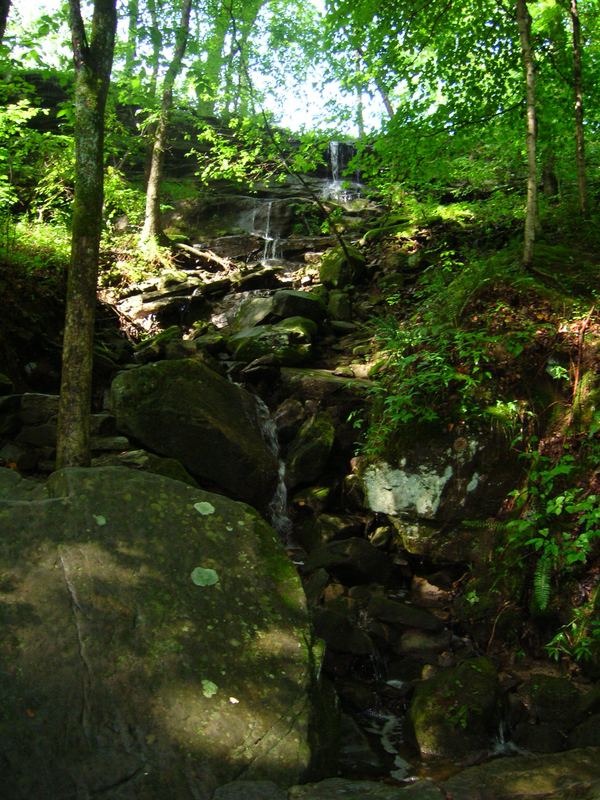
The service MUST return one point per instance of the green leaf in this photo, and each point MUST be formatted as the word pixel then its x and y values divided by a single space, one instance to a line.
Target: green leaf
pixel 100 520
pixel 202 576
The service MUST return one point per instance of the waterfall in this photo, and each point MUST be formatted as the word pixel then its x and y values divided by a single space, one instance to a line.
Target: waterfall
pixel 277 511
pixel 334 161
pixel 338 188
pixel 271 242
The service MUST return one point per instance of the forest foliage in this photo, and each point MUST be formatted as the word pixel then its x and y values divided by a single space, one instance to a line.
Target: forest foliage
pixel 482 118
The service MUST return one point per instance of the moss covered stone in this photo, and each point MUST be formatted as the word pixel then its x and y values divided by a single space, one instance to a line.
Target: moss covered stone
pixel 117 668
pixel 183 409
pixel 456 712
pixel 339 268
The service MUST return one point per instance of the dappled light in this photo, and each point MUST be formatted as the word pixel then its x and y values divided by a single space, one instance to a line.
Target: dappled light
pixel 299 400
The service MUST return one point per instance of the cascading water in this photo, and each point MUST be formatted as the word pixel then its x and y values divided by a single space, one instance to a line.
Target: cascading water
pixel 339 188
pixel 278 516
pixel 271 241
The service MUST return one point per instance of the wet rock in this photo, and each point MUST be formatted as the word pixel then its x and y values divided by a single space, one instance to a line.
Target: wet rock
pixel 542 738
pixel 403 614
pixel 573 775
pixel 250 790
pixel 159 655
pixel 587 733
pixel 344 789
pixel 340 634
pixel 288 417
pixel 457 545
pixel 352 561
pixel 290 303
pixel 455 713
pixel 327 528
pixel 419 644
pixel 184 410
pixel 553 699
pixel 428 595
pixel 309 451
pixel 314 586
pixel 356 755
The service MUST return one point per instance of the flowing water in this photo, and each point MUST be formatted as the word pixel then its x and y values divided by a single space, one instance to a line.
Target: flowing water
pixel 277 511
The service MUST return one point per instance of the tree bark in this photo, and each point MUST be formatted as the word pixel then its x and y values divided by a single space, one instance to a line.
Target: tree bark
pixel 4 9
pixel 152 231
pixel 93 63
pixel 524 23
pixel 133 12
pixel 578 92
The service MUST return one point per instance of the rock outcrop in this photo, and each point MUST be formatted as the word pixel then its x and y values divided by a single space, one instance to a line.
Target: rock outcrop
pixel 155 641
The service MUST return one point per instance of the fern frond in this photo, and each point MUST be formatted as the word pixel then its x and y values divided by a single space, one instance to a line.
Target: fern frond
pixel 542 583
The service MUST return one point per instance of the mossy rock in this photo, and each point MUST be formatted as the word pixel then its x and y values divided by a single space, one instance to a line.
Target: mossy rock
pixel 309 451
pixel 183 409
pixel 456 713
pixel 339 269
pixel 155 639
pixel 287 347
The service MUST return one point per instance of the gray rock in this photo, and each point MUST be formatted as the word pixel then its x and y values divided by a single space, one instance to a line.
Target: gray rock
pixel 352 560
pixel 454 477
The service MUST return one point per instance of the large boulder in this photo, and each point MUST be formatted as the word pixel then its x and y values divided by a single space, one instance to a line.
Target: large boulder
pixel 456 713
pixel 185 410
pixel 574 775
pixel 154 641
pixel 456 476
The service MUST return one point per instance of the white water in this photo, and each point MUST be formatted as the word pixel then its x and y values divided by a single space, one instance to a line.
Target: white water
pixel 337 188
pixel 277 511
pixel 271 240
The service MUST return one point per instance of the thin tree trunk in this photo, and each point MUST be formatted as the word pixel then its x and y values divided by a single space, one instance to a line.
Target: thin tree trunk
pixel 93 64
pixel 211 71
pixel 132 36
pixel 578 91
pixel 4 9
pixel 380 88
pixel 524 23
pixel 156 41
pixel 152 231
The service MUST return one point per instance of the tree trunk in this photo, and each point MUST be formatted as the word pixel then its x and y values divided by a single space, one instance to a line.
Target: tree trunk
pixel 156 41
pixel 578 91
pixel 93 64
pixel 132 37
pixel 152 231
pixel 524 23
pixel 210 74
pixel 4 9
